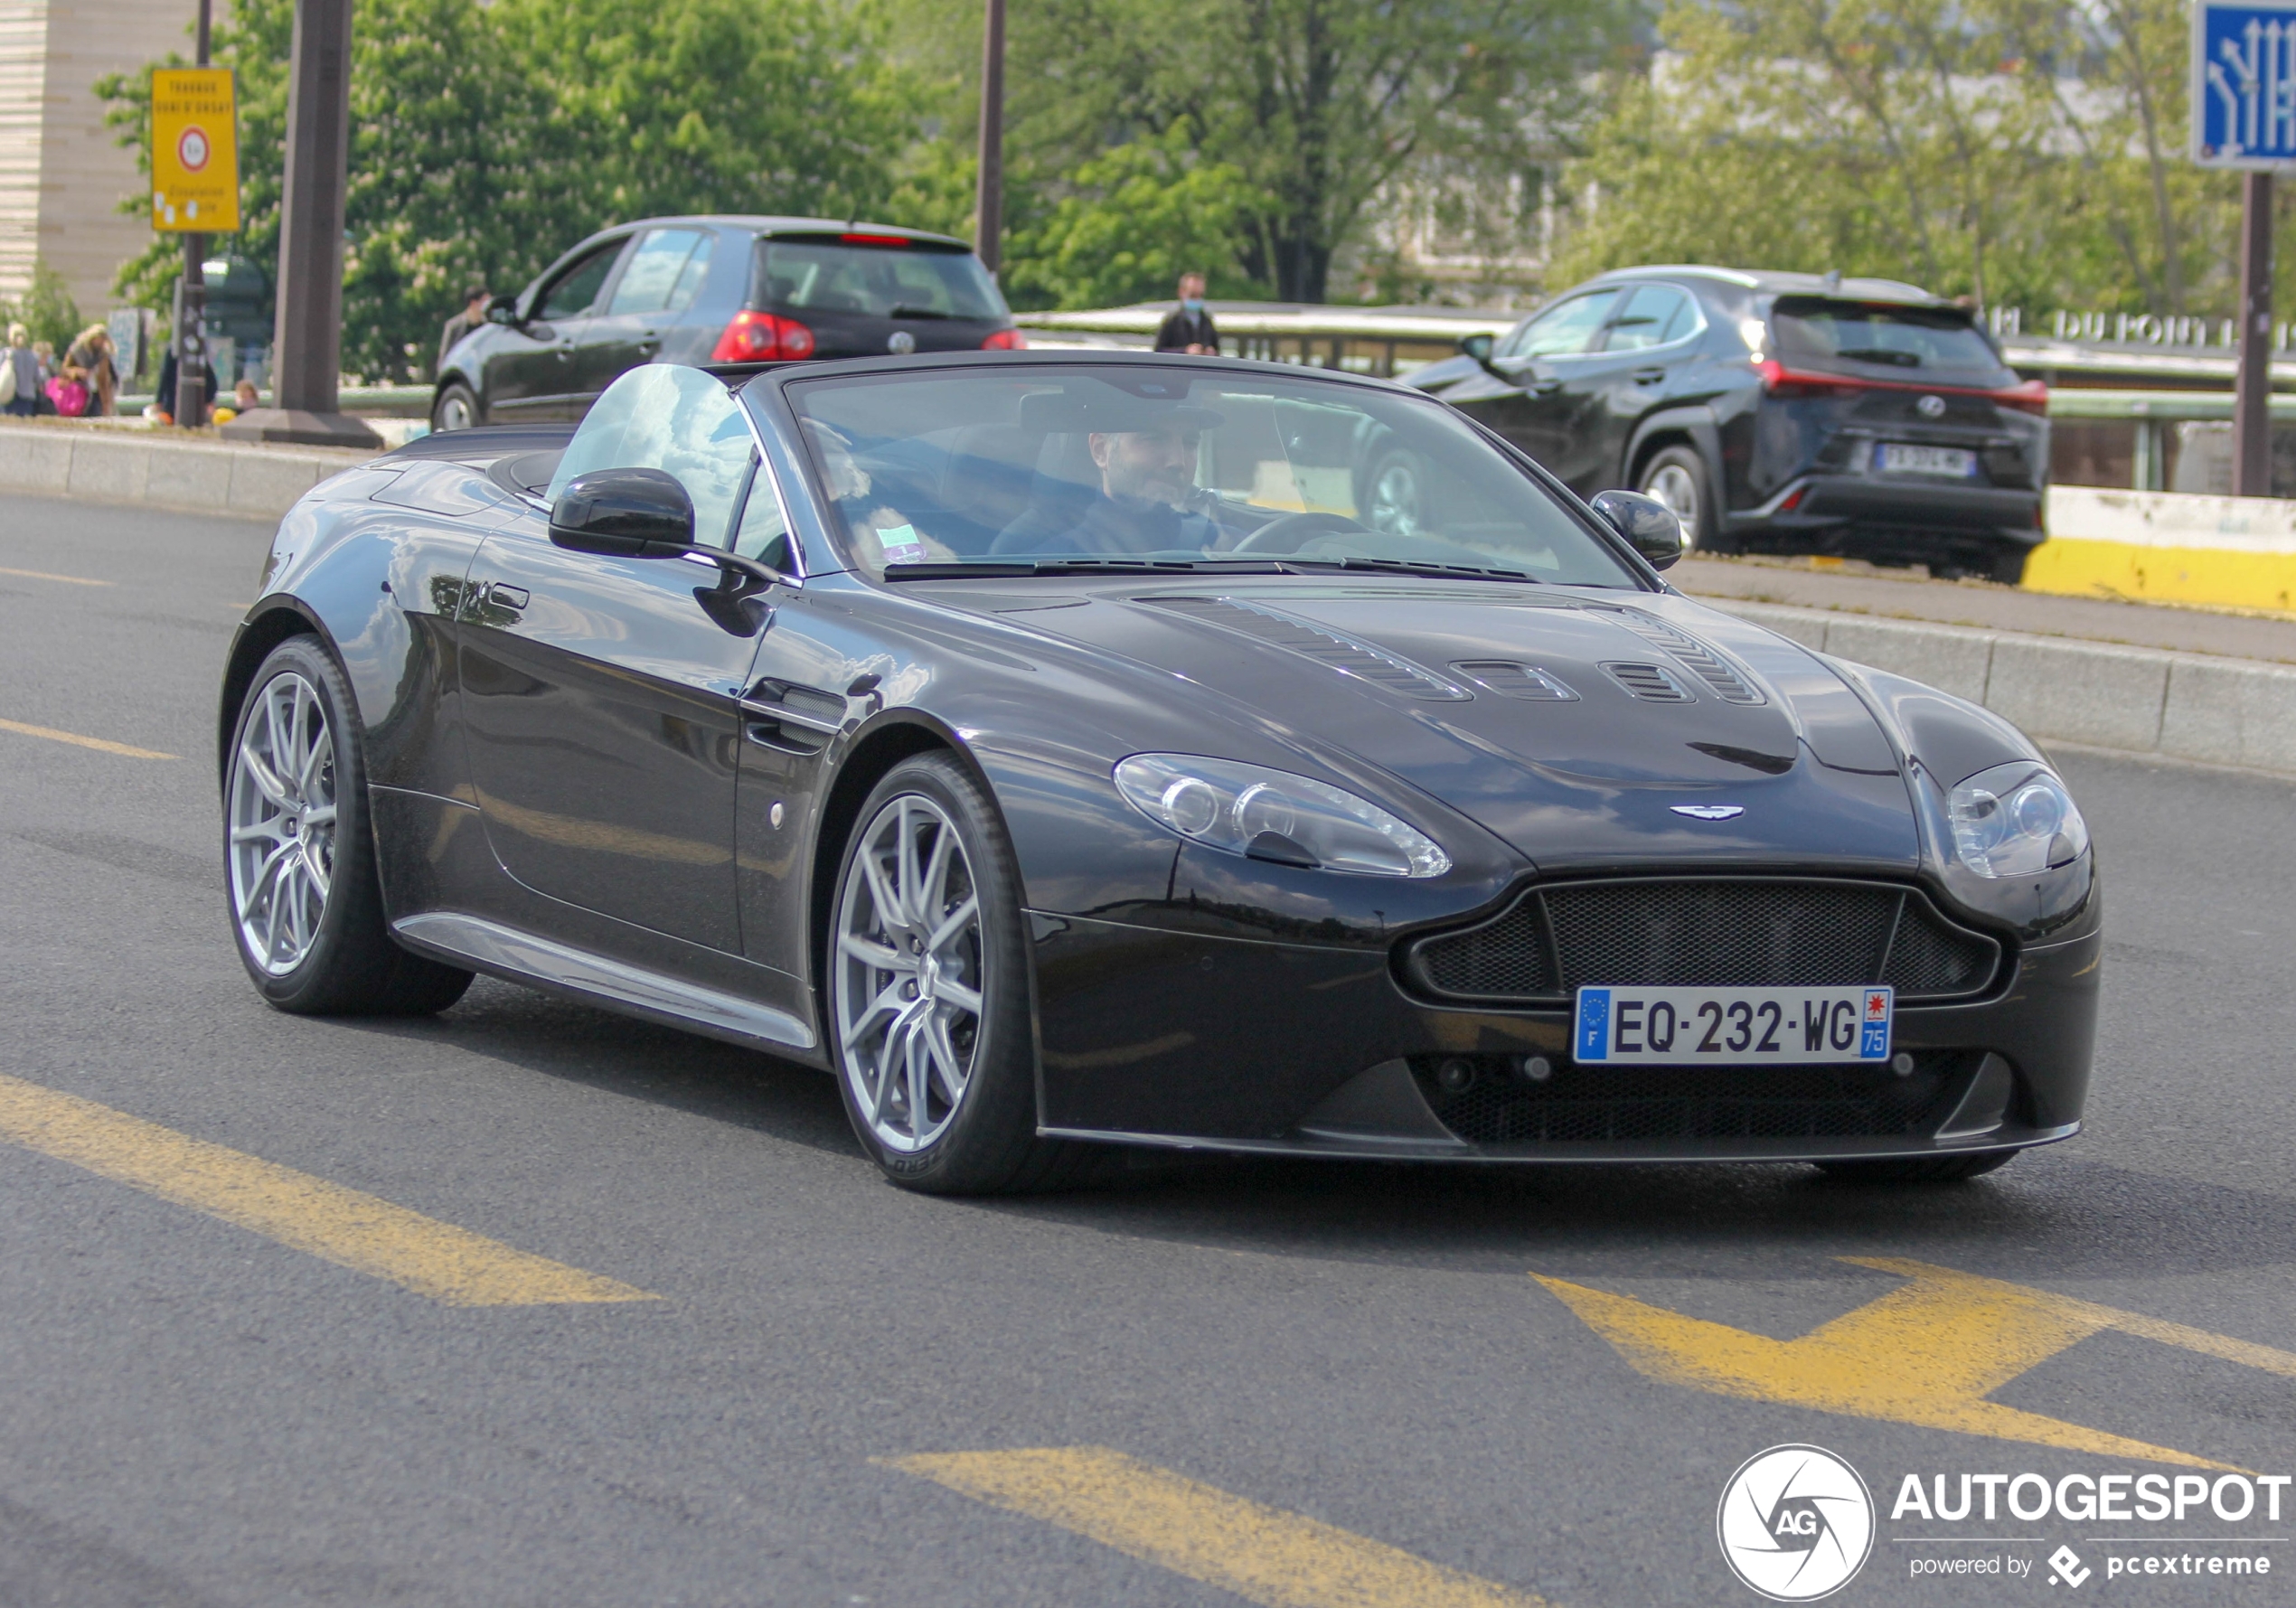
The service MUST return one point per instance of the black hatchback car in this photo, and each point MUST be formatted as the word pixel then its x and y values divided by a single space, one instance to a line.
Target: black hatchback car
pixel 1774 412
pixel 716 290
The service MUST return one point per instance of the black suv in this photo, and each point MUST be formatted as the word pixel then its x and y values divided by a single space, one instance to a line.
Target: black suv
pixel 699 290
pixel 1775 412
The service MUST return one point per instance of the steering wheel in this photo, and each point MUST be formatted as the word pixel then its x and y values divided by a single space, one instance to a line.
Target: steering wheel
pixel 1299 527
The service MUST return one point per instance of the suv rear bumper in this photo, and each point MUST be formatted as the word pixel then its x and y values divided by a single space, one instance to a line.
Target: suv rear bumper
pixel 1856 513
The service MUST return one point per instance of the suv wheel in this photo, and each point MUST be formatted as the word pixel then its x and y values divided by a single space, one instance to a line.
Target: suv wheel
pixel 457 408
pixel 2008 567
pixel 1676 476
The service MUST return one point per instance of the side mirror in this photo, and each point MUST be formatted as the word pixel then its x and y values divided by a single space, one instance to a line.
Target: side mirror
pixel 626 514
pixel 503 309
pixel 1477 347
pixel 1650 526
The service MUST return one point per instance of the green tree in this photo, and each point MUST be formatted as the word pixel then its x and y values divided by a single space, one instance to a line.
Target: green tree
pixel 1132 220
pixel 46 309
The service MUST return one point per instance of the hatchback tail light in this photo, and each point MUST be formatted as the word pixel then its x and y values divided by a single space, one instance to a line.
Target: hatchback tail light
pixel 2028 396
pixel 1005 340
pixel 761 337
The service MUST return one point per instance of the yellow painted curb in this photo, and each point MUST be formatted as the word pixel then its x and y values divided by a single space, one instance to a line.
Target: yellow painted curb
pixel 2070 566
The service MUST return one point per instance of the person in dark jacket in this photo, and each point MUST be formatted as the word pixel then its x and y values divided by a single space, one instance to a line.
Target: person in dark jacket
pixel 472 316
pixel 1189 327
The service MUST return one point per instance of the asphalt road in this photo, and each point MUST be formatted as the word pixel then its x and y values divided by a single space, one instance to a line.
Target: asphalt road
pixel 197 1413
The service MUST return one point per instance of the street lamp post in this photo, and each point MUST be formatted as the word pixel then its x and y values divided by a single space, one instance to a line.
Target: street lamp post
pixel 989 199
pixel 307 344
pixel 189 403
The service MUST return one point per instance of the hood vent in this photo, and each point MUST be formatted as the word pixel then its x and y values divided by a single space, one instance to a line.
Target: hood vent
pixel 1343 653
pixel 1708 666
pixel 1652 684
pixel 1511 680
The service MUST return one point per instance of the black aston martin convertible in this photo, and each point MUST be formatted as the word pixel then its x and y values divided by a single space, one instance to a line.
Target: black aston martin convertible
pixel 1068 749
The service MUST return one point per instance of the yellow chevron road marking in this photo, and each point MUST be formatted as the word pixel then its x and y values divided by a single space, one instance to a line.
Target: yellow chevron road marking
pixel 356 1230
pixel 1262 1553
pixel 1927 1353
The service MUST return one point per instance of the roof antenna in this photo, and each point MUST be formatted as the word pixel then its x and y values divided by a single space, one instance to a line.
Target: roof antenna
pixel 1833 279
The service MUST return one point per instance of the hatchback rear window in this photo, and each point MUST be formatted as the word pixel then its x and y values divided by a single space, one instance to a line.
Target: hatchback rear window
pixel 1862 336
pixel 879 281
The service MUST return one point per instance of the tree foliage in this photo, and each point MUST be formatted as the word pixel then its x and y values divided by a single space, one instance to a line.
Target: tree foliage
pixel 46 309
pixel 2019 152
pixel 486 138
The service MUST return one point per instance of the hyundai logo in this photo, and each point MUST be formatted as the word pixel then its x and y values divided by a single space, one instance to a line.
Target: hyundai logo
pixel 1930 407
pixel 1708 812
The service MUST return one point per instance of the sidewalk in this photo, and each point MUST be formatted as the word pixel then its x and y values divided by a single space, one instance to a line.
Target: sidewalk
pixel 1902 594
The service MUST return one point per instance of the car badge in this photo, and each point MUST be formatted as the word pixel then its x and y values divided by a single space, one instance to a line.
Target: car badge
pixel 900 343
pixel 1708 812
pixel 1930 407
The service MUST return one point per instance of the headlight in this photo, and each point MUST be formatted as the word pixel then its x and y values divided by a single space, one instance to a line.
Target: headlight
pixel 1272 814
pixel 2015 820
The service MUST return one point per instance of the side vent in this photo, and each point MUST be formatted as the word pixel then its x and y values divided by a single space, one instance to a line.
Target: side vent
pixel 1652 684
pixel 1703 662
pixel 1343 653
pixel 1511 680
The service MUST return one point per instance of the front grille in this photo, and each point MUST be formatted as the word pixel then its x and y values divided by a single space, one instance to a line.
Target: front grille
pixel 1488 1099
pixel 1703 933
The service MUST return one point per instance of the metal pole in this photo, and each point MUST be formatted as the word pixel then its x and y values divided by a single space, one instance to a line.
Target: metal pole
pixel 189 404
pixel 306 353
pixel 2252 422
pixel 989 200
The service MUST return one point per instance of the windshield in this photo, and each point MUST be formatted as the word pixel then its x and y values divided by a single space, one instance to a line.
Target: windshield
pixel 1824 334
pixel 1023 466
pixel 891 280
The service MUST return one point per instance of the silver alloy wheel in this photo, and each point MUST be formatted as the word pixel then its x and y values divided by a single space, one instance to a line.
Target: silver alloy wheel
pixel 906 981
pixel 1395 499
pixel 282 823
pixel 453 414
pixel 1677 488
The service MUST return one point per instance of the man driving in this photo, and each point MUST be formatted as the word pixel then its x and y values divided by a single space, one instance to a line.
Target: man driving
pixel 1149 500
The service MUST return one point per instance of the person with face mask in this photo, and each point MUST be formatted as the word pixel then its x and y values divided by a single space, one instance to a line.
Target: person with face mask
pixel 1188 326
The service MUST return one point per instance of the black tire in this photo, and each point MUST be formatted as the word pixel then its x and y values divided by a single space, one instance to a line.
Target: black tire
pixel 1681 472
pixel 349 965
pixel 2008 567
pixel 986 1143
pixel 1920 1170
pixel 455 408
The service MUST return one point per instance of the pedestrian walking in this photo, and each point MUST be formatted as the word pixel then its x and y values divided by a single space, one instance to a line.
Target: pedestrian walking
pixel 474 313
pixel 1189 327
pixel 87 362
pixel 20 375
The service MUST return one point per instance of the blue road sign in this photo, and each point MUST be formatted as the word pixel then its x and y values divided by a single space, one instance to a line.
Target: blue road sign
pixel 2244 86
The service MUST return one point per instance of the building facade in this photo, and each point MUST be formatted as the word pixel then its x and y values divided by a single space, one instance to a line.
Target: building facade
pixel 62 174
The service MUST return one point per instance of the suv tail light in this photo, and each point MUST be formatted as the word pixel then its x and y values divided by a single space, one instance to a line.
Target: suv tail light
pixel 1005 340
pixel 761 337
pixel 2028 396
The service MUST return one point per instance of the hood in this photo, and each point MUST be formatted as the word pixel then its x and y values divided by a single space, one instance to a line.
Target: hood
pixel 1571 726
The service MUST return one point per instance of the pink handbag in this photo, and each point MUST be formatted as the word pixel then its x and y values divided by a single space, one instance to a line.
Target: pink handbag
pixel 70 396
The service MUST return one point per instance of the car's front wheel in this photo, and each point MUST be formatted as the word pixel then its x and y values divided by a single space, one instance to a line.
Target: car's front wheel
pixel 928 990
pixel 305 898
pixel 457 408
pixel 1676 476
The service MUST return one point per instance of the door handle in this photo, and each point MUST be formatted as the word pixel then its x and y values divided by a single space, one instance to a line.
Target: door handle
pixel 1649 376
pixel 503 597
pixel 1544 387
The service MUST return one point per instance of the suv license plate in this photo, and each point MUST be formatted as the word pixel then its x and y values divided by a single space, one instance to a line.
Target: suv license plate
pixel 1731 1027
pixel 1895 458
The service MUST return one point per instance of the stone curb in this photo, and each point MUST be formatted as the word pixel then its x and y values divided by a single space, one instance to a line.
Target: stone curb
pixel 195 476
pixel 2139 701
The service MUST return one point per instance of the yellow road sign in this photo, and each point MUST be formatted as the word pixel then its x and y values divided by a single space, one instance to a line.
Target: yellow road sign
pixel 195 150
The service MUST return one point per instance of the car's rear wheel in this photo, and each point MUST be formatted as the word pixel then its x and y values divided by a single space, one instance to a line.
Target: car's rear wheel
pixel 1919 1170
pixel 305 899
pixel 2008 567
pixel 928 990
pixel 457 408
pixel 1676 476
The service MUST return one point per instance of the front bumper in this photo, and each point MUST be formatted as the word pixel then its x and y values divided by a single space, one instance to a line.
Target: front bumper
pixel 1151 1037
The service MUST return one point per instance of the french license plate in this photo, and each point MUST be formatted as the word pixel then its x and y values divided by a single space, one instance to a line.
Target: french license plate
pixel 1897 458
pixel 1735 1027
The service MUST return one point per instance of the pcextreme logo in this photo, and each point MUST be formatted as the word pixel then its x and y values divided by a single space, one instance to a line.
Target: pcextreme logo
pixel 1796 1523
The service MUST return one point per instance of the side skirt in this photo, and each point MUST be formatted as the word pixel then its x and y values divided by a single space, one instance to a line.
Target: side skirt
pixel 517 956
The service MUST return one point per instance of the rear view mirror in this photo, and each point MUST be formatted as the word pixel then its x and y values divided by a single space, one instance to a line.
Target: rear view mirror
pixel 623 513
pixel 503 309
pixel 1477 347
pixel 1650 526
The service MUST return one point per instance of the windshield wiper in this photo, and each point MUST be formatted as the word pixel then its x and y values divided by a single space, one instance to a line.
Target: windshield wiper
pixel 1007 569
pixel 1415 566
pixel 898 311
pixel 1881 354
